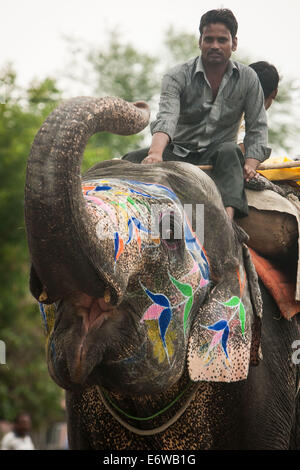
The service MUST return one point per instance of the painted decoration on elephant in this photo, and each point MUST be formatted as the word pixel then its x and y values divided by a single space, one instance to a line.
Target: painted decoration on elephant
pixel 220 349
pixel 135 211
pixel 48 318
pixel 133 208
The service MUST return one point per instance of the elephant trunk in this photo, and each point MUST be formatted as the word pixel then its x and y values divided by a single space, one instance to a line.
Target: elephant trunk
pixel 62 246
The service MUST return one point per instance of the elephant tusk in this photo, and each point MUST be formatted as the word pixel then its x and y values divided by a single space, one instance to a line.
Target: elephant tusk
pixel 107 296
pixel 43 296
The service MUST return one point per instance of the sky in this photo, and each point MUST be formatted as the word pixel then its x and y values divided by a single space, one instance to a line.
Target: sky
pixel 32 33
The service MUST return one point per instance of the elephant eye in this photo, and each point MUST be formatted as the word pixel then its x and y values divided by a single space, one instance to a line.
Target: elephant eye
pixel 171 233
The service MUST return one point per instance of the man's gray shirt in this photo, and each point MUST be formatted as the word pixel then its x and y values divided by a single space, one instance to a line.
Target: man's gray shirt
pixel 193 121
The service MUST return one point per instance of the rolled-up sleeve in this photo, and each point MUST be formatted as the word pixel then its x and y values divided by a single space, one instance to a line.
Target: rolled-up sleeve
pixel 256 126
pixel 169 107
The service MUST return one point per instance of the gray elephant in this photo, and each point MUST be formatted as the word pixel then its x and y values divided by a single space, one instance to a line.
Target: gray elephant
pixel 153 323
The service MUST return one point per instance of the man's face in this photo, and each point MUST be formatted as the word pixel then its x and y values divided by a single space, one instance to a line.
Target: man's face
pixel 271 97
pixel 23 425
pixel 216 44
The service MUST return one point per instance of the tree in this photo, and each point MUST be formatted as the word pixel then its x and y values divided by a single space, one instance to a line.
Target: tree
pixel 24 380
pixel 117 69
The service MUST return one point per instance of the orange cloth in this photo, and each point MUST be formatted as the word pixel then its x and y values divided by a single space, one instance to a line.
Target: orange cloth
pixel 278 284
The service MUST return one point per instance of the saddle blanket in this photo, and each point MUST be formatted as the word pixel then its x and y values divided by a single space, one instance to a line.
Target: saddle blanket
pixel 269 201
pixel 278 283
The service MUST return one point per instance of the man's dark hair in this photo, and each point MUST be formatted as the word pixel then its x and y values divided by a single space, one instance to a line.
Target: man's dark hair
pixel 268 76
pixel 222 15
pixel 20 415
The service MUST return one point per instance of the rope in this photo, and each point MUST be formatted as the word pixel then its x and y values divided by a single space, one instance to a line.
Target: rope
pixel 148 432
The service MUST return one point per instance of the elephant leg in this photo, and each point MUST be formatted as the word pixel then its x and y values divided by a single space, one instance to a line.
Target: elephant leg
pixel 295 435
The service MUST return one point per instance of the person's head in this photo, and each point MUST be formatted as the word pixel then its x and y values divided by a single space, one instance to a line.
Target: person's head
pixel 22 424
pixel 218 29
pixel 269 79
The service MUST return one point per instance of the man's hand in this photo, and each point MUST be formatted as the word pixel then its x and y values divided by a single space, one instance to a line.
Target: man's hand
pixel 153 158
pixel 250 169
pixel 159 142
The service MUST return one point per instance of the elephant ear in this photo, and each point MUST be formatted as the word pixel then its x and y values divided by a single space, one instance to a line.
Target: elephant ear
pixel 225 335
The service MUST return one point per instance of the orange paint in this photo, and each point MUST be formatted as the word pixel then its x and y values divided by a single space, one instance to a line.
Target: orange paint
pixel 121 248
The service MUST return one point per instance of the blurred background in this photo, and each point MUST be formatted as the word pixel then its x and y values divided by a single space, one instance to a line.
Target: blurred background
pixel 55 50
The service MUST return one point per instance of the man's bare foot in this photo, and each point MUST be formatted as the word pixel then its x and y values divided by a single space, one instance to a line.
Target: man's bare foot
pixel 230 212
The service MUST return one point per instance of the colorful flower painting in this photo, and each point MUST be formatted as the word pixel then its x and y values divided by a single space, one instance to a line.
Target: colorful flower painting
pixel 128 205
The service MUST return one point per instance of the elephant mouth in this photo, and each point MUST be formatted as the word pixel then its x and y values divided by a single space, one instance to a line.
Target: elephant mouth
pixel 95 314
pixel 90 315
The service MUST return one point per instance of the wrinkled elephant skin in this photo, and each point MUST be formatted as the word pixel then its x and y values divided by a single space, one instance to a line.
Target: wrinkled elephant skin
pixel 150 302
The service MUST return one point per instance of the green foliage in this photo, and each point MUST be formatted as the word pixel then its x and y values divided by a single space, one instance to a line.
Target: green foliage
pixel 283 122
pixel 180 46
pixel 117 69
pixel 24 380
pixel 122 71
pixel 282 118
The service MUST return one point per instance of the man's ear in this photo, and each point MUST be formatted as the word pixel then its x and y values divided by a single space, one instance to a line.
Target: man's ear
pixel 274 94
pixel 234 44
pixel 200 40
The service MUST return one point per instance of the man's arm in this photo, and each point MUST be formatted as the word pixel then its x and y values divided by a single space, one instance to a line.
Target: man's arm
pixel 159 142
pixel 163 128
pixel 256 127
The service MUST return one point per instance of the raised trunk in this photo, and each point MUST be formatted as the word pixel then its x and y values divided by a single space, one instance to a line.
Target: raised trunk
pixel 64 250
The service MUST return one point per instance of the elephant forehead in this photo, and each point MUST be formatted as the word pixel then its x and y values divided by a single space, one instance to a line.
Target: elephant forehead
pixel 127 208
pixel 130 216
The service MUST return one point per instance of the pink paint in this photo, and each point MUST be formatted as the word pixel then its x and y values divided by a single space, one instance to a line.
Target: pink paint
pixel 152 313
pixel 104 206
pixel 194 270
pixel 216 339
pixel 203 282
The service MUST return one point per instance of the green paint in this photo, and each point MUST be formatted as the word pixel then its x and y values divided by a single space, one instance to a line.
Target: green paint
pixel 149 417
pixel 185 289
pixel 120 204
pixel 242 315
pixel 142 203
pixel 132 202
pixel 187 310
pixel 233 302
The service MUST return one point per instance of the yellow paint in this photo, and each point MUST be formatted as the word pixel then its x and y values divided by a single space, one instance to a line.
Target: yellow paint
pixel 158 348
pixel 50 317
pixel 122 193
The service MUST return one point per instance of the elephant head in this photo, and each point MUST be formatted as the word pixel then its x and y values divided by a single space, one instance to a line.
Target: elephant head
pixel 138 270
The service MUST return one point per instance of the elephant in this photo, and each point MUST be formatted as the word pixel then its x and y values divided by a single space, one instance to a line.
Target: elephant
pixel 157 325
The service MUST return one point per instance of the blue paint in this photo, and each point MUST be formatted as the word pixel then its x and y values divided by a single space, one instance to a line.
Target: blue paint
pixel 116 241
pixel 159 299
pixel 139 193
pixel 225 339
pixel 218 326
pixel 139 225
pixel 163 322
pixel 130 231
pixel 44 316
pixel 102 188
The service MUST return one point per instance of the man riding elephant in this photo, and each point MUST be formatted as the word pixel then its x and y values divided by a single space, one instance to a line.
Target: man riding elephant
pixel 201 105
